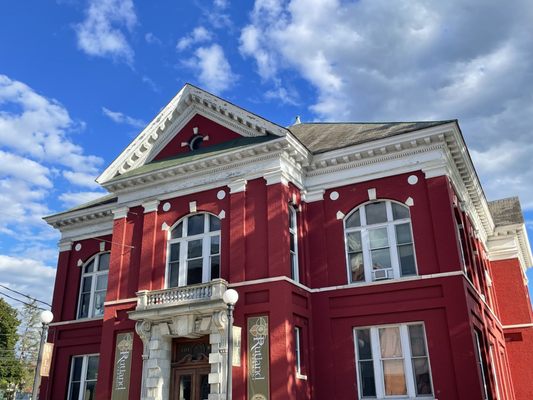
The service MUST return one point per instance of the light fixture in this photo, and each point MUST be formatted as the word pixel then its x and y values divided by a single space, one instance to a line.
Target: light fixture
pixel 46 317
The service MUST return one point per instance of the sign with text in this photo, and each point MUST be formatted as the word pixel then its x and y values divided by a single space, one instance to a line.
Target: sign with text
pixel 236 360
pixel 122 367
pixel 46 362
pixel 258 358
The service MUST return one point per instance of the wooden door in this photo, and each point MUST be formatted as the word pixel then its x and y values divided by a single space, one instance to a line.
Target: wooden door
pixel 190 384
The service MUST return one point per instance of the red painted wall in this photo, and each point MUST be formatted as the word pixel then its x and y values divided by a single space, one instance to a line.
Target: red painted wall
pixel 255 244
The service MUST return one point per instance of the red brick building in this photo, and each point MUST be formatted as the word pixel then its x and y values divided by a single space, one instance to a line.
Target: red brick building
pixel 367 260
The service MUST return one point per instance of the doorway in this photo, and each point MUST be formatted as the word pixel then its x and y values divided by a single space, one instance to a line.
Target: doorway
pixel 190 369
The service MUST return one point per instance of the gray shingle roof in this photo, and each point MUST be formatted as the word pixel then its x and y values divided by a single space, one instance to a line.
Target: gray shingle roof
pixel 322 137
pixel 506 211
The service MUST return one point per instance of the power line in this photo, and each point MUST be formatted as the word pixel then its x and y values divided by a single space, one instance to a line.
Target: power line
pixel 23 302
pixel 25 295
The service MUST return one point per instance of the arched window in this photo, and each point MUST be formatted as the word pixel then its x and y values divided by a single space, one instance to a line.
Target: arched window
pixel 93 286
pixel 194 250
pixel 379 242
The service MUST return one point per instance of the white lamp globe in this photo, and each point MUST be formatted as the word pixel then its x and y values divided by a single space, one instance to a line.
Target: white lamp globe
pixel 230 296
pixel 46 317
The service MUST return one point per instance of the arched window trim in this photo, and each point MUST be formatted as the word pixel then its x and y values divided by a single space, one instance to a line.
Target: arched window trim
pixel 207 254
pixel 94 275
pixel 391 236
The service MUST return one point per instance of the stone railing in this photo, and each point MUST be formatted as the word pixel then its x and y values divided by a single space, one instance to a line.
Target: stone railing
pixel 149 299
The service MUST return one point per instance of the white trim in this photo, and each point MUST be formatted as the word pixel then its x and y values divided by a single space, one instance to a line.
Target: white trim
pixel 121 212
pixel 121 301
pixel 310 196
pixel 150 206
pixel 77 321
pixel 83 374
pixel 517 326
pixel 94 275
pixel 237 186
pixel 275 177
pixel 64 245
pixel 293 231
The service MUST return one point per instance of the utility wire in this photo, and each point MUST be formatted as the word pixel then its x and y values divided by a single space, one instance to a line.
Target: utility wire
pixel 23 302
pixel 25 295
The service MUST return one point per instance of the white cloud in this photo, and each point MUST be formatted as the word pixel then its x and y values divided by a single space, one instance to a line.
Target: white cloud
pixel 12 165
pixel 72 199
pixel 101 34
pixel 121 118
pixel 214 70
pixel 81 179
pixel 27 275
pixel 414 60
pixel 198 35
pixel 152 39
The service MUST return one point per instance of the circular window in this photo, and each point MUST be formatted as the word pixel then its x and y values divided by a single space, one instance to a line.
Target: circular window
pixel 195 142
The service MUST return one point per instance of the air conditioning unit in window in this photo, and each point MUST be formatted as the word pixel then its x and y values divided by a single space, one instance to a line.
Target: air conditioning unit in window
pixel 380 274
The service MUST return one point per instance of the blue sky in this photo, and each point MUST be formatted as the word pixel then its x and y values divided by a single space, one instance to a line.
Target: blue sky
pixel 79 79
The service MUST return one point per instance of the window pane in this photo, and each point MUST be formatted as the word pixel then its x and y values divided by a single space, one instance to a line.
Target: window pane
pixel 84 305
pixel 422 379
pixel 381 259
pixel 195 224
pixel 90 391
pixel 364 347
pixel 354 242
pixel 194 271
pixel 407 259
pixel 376 213
pixel 292 217
pixel 185 388
pixel 174 252
pixel 394 377
pixel 74 391
pixel 76 368
pixel 89 267
pixel 204 386
pixel 368 382
pixel 194 248
pixel 86 284
pixel 399 211
pixel 215 244
pixel 356 267
pixel 99 298
pixel 214 223
pixel 417 340
pixel 354 220
pixel 174 273
pixel 215 267
pixel 403 233
pixel 378 238
pixel 177 231
pixel 103 262
pixel 389 342
pixel 92 367
pixel 101 282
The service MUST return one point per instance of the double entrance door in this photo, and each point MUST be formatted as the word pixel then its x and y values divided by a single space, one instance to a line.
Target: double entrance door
pixel 190 369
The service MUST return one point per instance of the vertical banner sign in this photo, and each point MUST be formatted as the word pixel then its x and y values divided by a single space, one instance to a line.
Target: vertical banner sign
pixel 121 375
pixel 236 362
pixel 46 362
pixel 258 358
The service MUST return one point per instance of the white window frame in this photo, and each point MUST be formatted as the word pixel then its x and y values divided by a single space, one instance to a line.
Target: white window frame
pixel 83 381
pixel 365 241
pixel 378 367
pixel 293 231
pixel 486 386
pixel 206 249
pixel 94 277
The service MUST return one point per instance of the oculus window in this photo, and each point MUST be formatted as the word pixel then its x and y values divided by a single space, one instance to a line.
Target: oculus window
pixel 379 242
pixel 193 251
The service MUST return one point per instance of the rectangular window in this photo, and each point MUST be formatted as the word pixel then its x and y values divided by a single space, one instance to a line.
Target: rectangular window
pixel 83 377
pixel 392 360
pixel 298 351
pixel 482 364
pixel 293 246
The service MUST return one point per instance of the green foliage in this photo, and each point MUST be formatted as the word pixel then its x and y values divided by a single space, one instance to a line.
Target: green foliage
pixel 11 371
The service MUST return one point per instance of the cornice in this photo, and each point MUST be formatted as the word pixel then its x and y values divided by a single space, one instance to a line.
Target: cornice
pixel 90 215
pixel 510 241
pixel 189 101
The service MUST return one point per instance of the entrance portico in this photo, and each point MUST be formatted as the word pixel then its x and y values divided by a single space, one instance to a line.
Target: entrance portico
pixel 193 311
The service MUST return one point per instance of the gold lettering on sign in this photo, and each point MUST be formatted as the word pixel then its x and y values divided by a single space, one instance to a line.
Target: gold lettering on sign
pixel 121 377
pixel 258 358
pixel 46 362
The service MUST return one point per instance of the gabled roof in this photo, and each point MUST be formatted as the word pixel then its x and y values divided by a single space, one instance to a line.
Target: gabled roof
pixel 189 101
pixel 325 136
pixel 506 211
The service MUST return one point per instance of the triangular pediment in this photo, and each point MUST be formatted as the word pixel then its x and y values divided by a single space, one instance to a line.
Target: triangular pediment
pixel 192 113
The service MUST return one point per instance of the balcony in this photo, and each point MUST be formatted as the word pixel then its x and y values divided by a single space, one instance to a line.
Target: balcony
pixel 186 298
